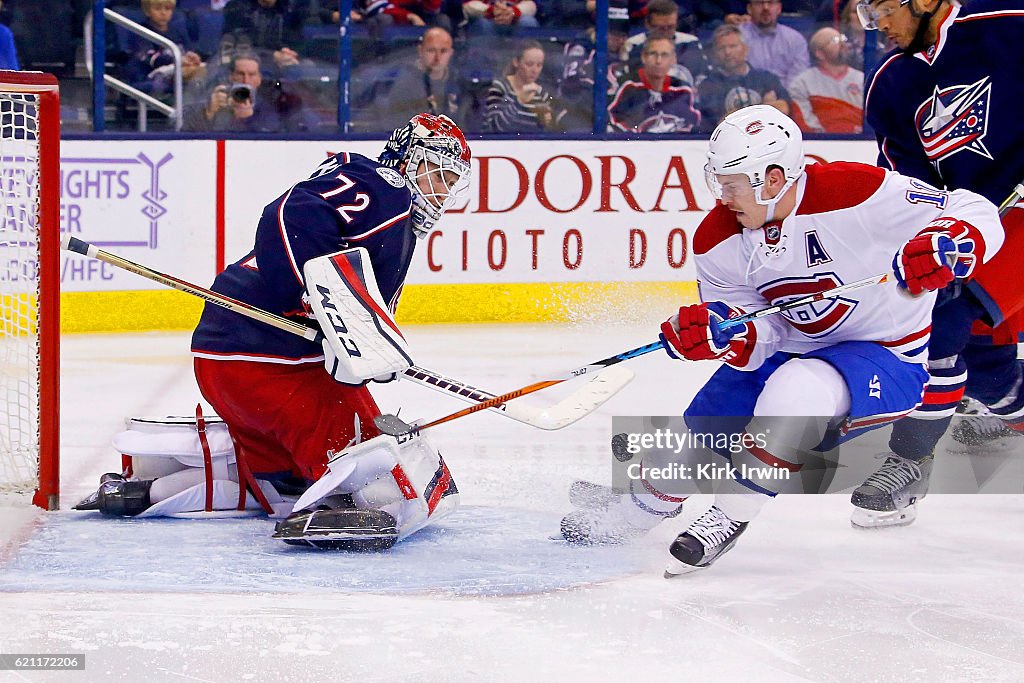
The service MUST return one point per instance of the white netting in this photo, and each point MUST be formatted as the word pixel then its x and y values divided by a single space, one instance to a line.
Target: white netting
pixel 19 290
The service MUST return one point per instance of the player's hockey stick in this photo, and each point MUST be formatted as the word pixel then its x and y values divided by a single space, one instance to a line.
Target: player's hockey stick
pixel 390 424
pixel 577 405
pixel 1009 202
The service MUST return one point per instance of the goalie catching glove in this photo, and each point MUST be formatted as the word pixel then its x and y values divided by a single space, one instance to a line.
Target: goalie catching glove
pixel 695 334
pixel 360 337
pixel 944 250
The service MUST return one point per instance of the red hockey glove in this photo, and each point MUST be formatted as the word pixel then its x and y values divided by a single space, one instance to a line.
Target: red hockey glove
pixel 694 334
pixel 944 250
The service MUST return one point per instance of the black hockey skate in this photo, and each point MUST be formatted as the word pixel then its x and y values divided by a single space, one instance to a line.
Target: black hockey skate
pixel 889 497
pixel 339 529
pixel 118 497
pixel 712 535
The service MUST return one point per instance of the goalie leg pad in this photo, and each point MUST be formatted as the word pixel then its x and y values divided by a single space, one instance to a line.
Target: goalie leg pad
pixel 339 529
pixel 404 477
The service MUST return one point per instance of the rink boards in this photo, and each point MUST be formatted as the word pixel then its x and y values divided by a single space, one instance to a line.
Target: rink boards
pixel 565 230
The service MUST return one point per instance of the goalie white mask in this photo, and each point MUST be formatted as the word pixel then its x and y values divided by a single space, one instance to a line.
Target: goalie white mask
pixel 434 156
pixel 750 141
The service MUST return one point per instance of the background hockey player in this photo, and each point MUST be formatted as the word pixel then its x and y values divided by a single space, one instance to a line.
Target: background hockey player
pixel 945 108
pixel 285 413
pixel 780 231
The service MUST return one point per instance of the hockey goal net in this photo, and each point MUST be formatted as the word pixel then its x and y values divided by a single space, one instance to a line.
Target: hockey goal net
pixel 29 282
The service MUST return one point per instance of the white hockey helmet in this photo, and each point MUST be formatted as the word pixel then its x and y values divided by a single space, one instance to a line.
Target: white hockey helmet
pixel 432 149
pixel 750 141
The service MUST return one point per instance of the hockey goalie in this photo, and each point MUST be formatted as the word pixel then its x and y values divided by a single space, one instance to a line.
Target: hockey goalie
pixel 295 436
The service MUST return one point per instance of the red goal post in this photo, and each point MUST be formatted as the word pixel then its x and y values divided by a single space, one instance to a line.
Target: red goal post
pixel 29 285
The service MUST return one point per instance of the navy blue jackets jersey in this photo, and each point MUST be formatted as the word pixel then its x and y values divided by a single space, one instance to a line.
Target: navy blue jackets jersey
pixel 349 201
pixel 641 107
pixel 951 115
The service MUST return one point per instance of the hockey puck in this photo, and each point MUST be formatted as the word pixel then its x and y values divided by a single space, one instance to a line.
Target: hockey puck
pixel 620 448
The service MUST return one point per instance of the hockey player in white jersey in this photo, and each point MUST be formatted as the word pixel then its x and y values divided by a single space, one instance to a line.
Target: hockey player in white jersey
pixel 782 230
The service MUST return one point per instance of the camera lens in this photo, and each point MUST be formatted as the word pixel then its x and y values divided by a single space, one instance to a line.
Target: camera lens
pixel 240 92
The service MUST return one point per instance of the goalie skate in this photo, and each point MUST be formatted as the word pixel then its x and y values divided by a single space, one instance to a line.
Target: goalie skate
pixel 118 497
pixel 339 529
pixel 889 496
pixel 710 536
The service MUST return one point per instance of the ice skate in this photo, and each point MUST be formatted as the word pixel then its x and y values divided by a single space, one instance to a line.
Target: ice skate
pixel 889 497
pixel 709 537
pixel 118 497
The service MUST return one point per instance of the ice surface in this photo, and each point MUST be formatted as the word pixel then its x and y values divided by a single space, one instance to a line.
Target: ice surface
pixel 487 596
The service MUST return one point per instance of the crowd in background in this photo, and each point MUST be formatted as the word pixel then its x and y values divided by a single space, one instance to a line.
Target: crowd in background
pixel 495 66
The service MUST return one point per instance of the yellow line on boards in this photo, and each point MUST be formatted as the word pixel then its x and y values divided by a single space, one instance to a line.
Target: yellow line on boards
pixel 457 303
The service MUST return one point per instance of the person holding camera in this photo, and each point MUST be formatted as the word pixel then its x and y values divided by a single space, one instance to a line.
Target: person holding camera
pixel 237 105
pixel 516 101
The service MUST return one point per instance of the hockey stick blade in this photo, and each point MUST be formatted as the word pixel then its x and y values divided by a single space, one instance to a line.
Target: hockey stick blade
pixel 569 410
pixel 392 425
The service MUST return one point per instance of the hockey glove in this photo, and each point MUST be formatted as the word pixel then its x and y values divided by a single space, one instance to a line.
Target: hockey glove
pixel 341 372
pixel 694 334
pixel 930 260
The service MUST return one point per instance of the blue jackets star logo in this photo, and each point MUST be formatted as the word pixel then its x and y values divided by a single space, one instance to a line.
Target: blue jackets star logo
pixel 955 119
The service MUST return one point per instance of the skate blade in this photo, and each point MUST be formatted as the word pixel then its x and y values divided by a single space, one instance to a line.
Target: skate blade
pixel 675 568
pixel 870 519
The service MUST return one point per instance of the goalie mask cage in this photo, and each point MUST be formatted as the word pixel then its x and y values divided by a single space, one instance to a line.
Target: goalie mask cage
pixel 29 283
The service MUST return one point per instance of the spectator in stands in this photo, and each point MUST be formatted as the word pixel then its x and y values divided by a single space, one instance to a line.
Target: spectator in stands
pixel 431 84
pixel 151 66
pixel 829 97
pixel 240 105
pixel 516 102
pixel 661 20
pixel 377 14
pixel 503 17
pixel 576 87
pixel 773 46
pixel 8 52
pixel 734 83
pixel 655 101
pixel 271 27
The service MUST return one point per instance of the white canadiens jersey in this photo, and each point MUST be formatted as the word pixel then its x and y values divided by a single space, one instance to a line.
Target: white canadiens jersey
pixel 849 222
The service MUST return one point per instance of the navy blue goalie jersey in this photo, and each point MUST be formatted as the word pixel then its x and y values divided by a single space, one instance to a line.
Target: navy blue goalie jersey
pixel 950 115
pixel 349 201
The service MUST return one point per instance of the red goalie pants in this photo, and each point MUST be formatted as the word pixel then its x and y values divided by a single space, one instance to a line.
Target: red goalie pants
pixel 284 418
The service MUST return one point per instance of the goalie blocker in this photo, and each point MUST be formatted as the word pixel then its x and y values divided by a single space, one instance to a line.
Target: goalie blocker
pixel 361 339
pixel 372 495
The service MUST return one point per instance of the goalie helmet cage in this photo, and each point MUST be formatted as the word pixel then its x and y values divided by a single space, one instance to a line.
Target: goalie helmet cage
pixel 29 285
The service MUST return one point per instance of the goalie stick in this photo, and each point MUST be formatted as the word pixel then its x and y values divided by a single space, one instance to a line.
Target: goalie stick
pixel 577 405
pixel 391 424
